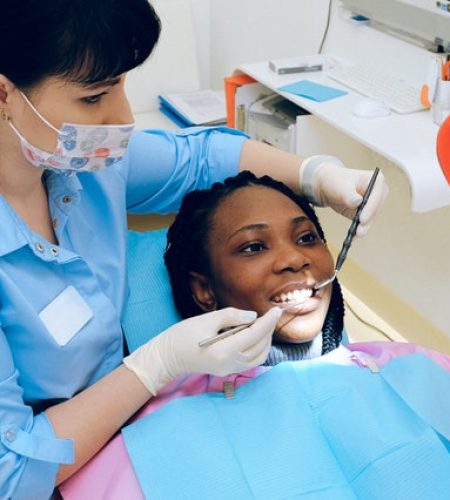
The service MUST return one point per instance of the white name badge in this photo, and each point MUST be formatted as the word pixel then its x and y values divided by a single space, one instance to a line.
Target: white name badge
pixel 66 315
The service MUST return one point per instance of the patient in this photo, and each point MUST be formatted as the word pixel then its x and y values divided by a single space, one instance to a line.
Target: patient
pixel 251 243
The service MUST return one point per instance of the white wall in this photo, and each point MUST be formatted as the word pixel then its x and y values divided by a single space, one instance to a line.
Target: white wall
pixel 173 65
pixel 229 33
pixel 201 13
pixel 252 30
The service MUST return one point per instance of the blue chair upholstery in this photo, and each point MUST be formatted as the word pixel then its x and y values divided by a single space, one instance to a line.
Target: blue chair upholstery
pixel 150 308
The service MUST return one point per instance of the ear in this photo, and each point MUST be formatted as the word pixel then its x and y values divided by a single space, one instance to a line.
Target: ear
pixel 201 292
pixel 6 89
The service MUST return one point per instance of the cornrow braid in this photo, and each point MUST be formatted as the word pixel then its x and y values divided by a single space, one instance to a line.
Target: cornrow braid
pixel 187 243
pixel 334 320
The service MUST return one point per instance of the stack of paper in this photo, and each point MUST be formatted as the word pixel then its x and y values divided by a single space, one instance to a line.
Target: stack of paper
pixel 203 107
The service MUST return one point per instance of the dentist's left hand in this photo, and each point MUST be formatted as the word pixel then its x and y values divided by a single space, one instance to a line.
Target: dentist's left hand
pixel 176 351
pixel 326 182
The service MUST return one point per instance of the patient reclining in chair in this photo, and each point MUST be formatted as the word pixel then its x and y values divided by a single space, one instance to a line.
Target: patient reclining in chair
pixel 253 244
pixel 342 423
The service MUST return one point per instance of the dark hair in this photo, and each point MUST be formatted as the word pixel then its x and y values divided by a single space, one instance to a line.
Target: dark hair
pixel 85 41
pixel 187 247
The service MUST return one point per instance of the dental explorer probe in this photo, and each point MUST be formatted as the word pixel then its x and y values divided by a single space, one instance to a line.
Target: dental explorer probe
pixel 339 261
pixel 351 232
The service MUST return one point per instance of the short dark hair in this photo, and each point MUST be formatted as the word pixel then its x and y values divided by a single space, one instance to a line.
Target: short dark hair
pixel 187 238
pixel 85 41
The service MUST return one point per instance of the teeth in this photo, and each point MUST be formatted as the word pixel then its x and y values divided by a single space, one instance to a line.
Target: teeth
pixel 297 296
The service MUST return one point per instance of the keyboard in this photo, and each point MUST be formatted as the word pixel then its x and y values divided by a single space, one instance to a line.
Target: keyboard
pixel 398 94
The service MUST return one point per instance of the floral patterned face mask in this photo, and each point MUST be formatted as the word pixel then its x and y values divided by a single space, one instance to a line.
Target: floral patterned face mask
pixel 80 148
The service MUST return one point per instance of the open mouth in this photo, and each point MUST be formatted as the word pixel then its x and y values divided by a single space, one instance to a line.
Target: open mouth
pixel 294 297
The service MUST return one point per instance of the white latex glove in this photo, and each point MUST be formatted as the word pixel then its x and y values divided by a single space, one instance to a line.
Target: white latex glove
pixel 175 351
pixel 325 182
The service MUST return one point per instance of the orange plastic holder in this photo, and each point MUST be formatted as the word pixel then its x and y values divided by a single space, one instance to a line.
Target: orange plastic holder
pixel 443 148
pixel 231 84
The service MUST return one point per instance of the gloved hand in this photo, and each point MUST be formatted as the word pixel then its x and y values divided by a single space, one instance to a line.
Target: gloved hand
pixel 175 351
pixel 325 182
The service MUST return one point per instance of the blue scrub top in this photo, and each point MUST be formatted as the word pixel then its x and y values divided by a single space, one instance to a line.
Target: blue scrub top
pixel 89 216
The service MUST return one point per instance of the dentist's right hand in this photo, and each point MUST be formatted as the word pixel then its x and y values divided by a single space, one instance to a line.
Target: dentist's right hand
pixel 176 351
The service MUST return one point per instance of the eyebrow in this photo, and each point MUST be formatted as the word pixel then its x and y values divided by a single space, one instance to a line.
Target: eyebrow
pixel 261 226
pixel 104 83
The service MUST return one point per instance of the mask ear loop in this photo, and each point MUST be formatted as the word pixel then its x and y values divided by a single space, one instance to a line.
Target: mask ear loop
pixel 7 119
pixel 38 114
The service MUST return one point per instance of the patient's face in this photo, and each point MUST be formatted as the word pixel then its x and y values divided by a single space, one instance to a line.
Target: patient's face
pixel 264 251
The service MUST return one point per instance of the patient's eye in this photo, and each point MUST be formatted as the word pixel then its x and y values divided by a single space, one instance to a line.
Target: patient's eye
pixel 308 238
pixel 254 247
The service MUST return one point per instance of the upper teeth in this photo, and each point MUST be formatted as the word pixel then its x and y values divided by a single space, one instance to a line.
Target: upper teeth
pixel 295 296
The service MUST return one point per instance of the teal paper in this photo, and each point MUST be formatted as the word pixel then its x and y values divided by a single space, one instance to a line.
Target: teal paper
pixel 301 430
pixel 312 90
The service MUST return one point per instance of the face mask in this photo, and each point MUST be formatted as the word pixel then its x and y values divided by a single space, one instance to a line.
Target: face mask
pixel 80 148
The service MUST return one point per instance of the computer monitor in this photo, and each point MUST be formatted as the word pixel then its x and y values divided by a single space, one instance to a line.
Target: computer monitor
pixel 424 21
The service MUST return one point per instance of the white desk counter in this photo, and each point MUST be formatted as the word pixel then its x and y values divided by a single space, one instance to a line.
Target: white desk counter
pixel 409 141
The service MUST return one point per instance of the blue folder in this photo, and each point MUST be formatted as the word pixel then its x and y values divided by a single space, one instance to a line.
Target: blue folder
pixel 173 113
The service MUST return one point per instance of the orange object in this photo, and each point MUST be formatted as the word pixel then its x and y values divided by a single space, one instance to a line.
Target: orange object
pixel 231 84
pixel 425 96
pixel 443 148
pixel 445 71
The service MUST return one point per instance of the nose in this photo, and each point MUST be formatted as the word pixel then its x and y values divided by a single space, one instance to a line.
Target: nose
pixel 290 258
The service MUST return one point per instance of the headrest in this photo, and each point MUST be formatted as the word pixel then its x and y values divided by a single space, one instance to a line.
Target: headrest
pixel 150 308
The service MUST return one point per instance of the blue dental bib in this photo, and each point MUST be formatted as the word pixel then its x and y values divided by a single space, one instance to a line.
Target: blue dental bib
pixel 303 430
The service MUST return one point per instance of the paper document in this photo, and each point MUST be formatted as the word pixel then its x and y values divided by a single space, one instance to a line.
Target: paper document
pixel 203 107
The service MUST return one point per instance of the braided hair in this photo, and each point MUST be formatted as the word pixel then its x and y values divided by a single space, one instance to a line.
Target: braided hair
pixel 187 238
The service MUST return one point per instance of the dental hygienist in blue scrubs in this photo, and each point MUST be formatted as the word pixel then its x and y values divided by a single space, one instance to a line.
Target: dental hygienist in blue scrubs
pixel 71 168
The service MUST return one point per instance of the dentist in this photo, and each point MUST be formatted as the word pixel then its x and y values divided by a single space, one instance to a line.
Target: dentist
pixel 71 168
